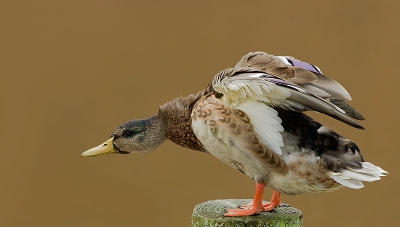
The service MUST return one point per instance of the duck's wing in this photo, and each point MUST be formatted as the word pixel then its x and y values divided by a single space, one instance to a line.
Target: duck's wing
pixel 238 84
pixel 303 74
pixel 257 94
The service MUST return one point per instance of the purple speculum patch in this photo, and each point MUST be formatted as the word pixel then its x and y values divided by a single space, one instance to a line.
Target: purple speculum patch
pixel 304 65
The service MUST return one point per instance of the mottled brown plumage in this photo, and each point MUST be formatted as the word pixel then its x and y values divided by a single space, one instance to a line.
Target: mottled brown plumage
pixel 220 118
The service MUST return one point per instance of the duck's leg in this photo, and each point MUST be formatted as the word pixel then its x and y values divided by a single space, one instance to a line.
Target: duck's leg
pixel 275 201
pixel 257 206
pixel 248 210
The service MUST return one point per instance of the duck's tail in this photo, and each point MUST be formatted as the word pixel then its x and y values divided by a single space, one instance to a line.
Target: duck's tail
pixel 352 177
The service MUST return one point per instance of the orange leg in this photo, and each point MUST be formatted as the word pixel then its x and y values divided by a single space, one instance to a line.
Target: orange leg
pixel 257 206
pixel 275 201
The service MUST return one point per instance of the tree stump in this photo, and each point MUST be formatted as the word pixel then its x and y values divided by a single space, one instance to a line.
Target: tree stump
pixel 210 214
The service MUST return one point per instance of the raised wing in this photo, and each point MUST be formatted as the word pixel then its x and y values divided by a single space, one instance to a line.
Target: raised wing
pixel 238 84
pixel 303 74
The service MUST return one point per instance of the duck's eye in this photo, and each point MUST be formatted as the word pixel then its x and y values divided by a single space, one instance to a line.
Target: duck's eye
pixel 131 132
pixel 127 133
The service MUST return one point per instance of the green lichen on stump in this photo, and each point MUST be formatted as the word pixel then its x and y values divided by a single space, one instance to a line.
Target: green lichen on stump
pixel 210 214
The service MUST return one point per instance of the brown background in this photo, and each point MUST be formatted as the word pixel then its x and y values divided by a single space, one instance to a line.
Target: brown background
pixel 72 71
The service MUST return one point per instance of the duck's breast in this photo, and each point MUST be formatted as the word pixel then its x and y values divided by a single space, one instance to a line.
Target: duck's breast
pixel 229 135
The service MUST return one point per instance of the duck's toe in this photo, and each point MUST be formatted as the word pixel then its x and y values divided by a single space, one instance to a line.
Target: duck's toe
pixel 249 210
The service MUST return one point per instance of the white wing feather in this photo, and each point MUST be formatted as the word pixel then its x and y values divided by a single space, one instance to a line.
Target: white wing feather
pixel 266 123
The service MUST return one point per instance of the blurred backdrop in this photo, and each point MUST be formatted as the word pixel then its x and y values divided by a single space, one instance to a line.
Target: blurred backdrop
pixel 72 71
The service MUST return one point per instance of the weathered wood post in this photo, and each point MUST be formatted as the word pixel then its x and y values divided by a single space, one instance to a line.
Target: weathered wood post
pixel 210 214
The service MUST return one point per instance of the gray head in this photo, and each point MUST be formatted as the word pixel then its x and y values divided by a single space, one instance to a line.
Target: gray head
pixel 135 136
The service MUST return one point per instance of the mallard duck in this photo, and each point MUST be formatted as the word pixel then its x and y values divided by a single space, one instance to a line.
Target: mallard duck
pixel 251 118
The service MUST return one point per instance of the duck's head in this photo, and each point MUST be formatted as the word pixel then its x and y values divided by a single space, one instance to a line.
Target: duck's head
pixel 132 137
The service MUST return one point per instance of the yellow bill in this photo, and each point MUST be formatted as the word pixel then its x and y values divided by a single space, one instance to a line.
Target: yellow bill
pixel 104 148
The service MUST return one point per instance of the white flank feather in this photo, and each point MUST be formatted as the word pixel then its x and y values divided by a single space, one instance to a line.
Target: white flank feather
pixel 352 177
pixel 266 123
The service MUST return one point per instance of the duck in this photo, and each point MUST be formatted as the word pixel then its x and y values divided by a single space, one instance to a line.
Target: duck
pixel 252 117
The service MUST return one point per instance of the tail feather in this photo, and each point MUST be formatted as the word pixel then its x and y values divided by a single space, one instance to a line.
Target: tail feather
pixel 349 174
pixel 350 183
pixel 352 177
pixel 370 168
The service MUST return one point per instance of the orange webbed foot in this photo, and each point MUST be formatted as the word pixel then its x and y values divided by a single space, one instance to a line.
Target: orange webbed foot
pixel 257 206
pixel 242 212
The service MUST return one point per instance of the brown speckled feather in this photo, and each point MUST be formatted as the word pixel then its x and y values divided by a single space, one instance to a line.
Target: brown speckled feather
pixel 235 133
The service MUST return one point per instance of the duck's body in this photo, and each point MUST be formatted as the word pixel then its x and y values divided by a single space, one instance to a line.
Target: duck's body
pixel 251 117
pixel 229 135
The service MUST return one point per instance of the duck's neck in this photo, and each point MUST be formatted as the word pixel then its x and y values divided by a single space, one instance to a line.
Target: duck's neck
pixel 156 131
pixel 176 116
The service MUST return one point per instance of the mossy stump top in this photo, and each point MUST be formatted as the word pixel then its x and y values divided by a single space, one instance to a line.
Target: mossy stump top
pixel 210 214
